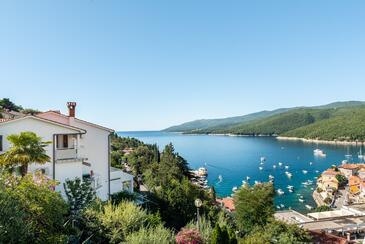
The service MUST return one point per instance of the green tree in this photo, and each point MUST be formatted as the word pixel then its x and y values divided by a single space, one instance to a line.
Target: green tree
pixel 216 235
pixel 79 194
pixel 342 180
pixel 41 208
pixel 5 103
pixel 277 232
pixel 25 148
pixel 18 230
pixel 254 206
pixel 323 208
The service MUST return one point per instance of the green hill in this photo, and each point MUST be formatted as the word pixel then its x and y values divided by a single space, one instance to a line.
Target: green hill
pixel 336 121
pixel 210 124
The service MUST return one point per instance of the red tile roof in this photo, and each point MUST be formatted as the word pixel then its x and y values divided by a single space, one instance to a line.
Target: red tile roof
pixel 227 202
pixel 326 238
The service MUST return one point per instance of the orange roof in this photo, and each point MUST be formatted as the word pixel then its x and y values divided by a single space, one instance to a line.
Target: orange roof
pixel 362 169
pixel 227 202
pixel 354 180
pixel 351 166
pixel 331 172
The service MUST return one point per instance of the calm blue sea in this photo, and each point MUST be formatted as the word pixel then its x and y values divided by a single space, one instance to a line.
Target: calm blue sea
pixel 235 158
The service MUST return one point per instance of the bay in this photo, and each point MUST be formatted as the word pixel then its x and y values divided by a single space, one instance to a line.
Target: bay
pixel 235 158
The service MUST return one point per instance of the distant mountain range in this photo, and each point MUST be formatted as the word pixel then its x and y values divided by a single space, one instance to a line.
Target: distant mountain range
pixel 334 121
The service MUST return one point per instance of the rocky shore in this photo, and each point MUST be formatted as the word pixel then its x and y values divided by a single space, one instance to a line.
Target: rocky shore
pixel 335 142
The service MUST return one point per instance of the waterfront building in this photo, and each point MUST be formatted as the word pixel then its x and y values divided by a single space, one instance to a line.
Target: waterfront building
pixel 327 181
pixel 354 184
pixel 350 169
pixel 78 149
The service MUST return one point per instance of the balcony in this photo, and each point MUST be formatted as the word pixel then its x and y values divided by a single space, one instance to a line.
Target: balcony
pixel 66 154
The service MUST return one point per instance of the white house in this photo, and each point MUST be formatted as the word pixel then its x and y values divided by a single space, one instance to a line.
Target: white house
pixel 78 149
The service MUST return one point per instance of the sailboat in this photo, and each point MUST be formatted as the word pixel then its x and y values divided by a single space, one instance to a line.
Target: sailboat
pixel 361 156
pixel 348 155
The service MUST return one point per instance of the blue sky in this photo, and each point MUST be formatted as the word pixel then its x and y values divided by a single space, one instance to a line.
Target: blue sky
pixel 144 65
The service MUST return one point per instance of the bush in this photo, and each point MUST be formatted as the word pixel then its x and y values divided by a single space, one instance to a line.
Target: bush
pixel 319 190
pixel 157 235
pixel 189 236
pixel 113 223
pixel 79 194
pixel 41 210
pixel 123 196
pixel 328 200
pixel 322 208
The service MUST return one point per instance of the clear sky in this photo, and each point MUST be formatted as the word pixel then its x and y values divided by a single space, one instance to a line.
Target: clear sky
pixel 144 65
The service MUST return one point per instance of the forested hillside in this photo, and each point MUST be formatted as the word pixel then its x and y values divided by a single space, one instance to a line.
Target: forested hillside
pixel 343 121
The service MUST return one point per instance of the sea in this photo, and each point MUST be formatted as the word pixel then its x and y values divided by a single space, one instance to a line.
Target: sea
pixel 230 160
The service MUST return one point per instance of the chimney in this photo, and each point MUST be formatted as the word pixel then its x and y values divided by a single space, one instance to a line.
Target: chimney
pixel 71 109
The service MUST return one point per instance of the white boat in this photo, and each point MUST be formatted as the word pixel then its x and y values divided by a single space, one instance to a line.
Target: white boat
pixel 286 167
pixel 248 178
pixel 288 174
pixel 282 205
pixel 309 207
pixel 261 168
pixel 220 178
pixel 271 177
pixel 344 162
pixel 301 200
pixel 278 207
pixel 274 166
pixel 234 189
pixel 310 163
pixel 262 159
pixel 317 171
pixel 304 171
pixel 361 156
pixel 257 182
pixel 280 163
pixel 280 192
pixel 290 188
pixel 318 152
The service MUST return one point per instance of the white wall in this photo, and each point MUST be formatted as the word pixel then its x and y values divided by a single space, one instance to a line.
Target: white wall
pixel 94 146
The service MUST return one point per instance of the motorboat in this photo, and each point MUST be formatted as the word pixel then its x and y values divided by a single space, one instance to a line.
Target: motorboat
pixel 288 174
pixel 274 166
pixel 286 167
pixel 301 200
pixel 309 207
pixel 234 189
pixel 304 171
pixel 261 168
pixel 280 192
pixel 319 153
pixel 280 163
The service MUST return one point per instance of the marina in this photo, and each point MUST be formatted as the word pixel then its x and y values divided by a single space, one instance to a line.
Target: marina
pixel 233 161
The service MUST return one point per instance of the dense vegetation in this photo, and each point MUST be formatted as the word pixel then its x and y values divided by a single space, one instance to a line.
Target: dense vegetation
pixel 344 123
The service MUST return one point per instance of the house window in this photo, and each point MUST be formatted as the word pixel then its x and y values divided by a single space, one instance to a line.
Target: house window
pixel 65 141
pixel 1 143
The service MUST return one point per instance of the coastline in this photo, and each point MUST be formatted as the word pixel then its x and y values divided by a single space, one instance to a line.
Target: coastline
pixel 349 143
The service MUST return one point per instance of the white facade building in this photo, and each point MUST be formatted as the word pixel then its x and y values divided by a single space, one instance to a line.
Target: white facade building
pixel 78 149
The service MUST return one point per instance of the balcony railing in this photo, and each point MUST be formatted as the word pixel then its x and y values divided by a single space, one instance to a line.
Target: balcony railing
pixel 66 154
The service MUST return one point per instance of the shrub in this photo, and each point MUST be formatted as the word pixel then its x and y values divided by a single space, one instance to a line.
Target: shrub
pixel 113 223
pixel 41 208
pixel 189 236
pixel 319 190
pixel 157 235
pixel 328 200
